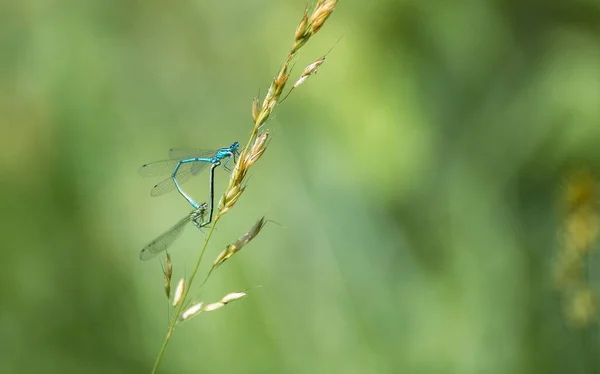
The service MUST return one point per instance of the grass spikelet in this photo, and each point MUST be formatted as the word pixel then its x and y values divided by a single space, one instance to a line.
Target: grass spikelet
pixel 192 311
pixel 224 301
pixel 167 275
pixel 308 71
pixel 255 109
pixel 301 35
pixel 233 248
pixel 322 11
pixel 309 26
pixel 232 297
pixel 236 182
pixel 213 306
pixel 178 292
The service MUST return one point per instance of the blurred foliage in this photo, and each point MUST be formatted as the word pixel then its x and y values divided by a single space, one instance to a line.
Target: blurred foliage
pixel 417 177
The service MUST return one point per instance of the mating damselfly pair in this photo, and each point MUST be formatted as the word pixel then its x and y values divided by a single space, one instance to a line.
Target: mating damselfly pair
pixel 182 165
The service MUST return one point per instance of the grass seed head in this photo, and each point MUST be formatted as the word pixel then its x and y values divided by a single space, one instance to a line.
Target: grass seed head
pixel 322 11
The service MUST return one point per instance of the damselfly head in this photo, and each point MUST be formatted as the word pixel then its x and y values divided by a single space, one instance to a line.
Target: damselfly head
pixel 202 208
pixel 235 146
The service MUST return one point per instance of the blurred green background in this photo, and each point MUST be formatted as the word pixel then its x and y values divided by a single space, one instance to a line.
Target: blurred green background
pixel 416 180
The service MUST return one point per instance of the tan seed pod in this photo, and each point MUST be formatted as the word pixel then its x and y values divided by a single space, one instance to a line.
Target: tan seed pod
pixel 308 71
pixel 232 297
pixel 213 306
pixel 178 292
pixel 192 311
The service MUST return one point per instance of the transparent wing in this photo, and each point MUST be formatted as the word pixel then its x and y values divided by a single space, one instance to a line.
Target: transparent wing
pixel 163 167
pixel 183 153
pixel 197 167
pixel 182 176
pixel 168 184
pixel 165 240
pixel 187 153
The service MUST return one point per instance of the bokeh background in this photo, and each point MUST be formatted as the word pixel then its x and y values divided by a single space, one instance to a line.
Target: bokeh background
pixel 417 184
